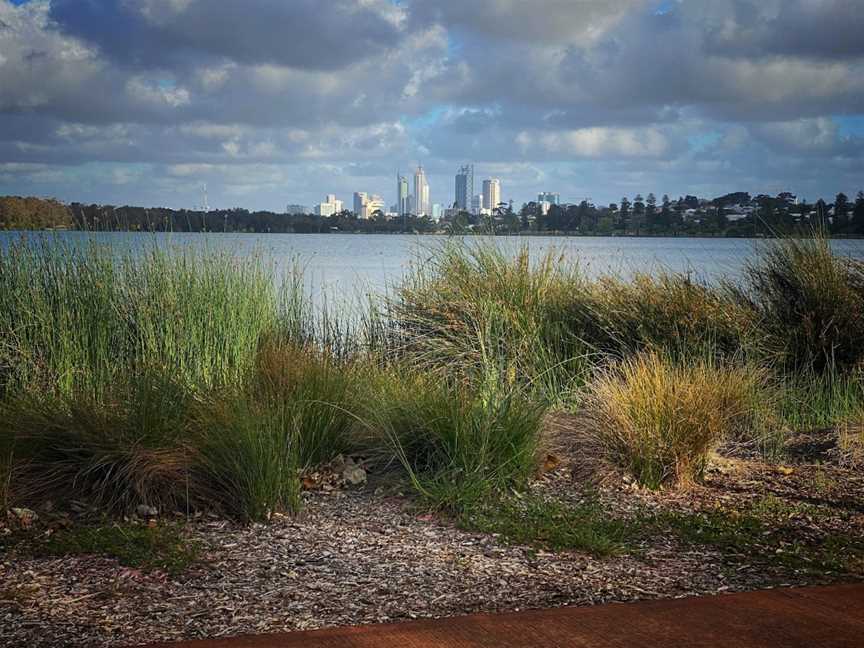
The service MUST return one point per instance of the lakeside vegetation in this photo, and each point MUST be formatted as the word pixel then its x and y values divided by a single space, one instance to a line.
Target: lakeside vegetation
pixel 733 215
pixel 189 381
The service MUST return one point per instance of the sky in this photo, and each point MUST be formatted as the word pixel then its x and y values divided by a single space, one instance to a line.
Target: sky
pixel 271 102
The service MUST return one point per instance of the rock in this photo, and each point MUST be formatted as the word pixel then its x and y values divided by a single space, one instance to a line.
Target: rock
pixel 25 517
pixel 145 511
pixel 354 476
pixel 352 473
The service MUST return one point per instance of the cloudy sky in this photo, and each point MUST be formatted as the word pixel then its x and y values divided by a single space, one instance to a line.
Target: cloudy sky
pixel 281 101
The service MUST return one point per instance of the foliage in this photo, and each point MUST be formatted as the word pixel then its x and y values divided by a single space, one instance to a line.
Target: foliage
pixel 659 418
pixel 249 446
pixel 810 304
pixel 118 450
pixel 666 312
pixel 549 524
pixel 765 532
pixel 17 213
pixel 484 315
pixel 455 445
pixel 162 547
pixel 76 320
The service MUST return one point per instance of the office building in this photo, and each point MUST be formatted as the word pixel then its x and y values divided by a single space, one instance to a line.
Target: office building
pixel 491 193
pixel 403 199
pixel 365 205
pixel 360 198
pixel 329 207
pixel 374 203
pixel 549 197
pixel 421 193
pixel 465 187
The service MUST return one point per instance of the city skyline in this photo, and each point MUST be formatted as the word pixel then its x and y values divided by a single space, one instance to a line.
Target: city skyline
pixel 594 100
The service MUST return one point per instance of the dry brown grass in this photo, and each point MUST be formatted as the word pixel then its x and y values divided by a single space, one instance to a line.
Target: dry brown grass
pixel 659 419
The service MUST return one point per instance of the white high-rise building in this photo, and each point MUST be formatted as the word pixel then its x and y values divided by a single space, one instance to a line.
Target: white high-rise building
pixel 329 207
pixel 491 193
pixel 367 204
pixel 421 193
pixel 373 203
pixel 477 204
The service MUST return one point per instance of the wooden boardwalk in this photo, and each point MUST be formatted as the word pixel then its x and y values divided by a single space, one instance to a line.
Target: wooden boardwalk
pixel 820 617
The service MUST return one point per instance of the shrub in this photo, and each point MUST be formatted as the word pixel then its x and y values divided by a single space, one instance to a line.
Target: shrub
pixel 116 451
pixel 323 395
pixel 455 444
pixel 249 445
pixel 659 418
pixel 245 459
pixel 79 319
pixel 668 312
pixel 810 302
pixel 472 310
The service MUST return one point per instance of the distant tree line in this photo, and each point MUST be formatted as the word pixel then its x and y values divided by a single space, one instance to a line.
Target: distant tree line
pixel 687 216
pixel 33 214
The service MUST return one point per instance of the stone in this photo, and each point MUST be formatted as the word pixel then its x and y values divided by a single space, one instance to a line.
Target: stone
pixel 146 511
pixel 25 517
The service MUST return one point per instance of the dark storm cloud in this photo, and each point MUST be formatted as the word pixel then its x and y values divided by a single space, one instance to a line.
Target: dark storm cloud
pixel 308 34
pixel 825 29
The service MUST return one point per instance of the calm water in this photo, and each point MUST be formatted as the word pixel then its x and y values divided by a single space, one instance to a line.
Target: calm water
pixel 345 265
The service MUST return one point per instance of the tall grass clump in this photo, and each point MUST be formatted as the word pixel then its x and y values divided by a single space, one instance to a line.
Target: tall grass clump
pixel 810 304
pixel 75 319
pixel 115 451
pixel 666 312
pixel 659 418
pixel 474 310
pixel 811 401
pixel 250 444
pixel 455 444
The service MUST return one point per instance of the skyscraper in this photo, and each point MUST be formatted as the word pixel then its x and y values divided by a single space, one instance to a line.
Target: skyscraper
pixel 551 198
pixel 402 197
pixel 330 207
pixel 360 198
pixel 491 193
pixel 465 187
pixel 421 193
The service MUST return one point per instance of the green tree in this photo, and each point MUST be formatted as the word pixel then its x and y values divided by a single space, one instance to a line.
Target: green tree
pixel 841 213
pixel 858 214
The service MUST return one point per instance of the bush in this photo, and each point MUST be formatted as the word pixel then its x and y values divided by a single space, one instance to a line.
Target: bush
pixel 473 310
pixel 670 313
pixel 659 418
pixel 455 444
pixel 810 302
pixel 249 446
pixel 116 451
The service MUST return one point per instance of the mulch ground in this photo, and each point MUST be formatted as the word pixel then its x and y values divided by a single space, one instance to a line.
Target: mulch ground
pixel 364 556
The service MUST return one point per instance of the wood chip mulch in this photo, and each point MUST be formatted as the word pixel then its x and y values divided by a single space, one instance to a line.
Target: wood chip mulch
pixel 361 556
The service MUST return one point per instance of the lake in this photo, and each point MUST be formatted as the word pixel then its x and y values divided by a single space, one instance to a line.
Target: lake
pixel 345 265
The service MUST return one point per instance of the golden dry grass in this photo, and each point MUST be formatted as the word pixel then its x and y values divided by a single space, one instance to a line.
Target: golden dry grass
pixel 659 419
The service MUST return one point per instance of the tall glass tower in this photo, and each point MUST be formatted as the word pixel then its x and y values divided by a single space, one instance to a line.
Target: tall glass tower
pixel 403 202
pixel 465 187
